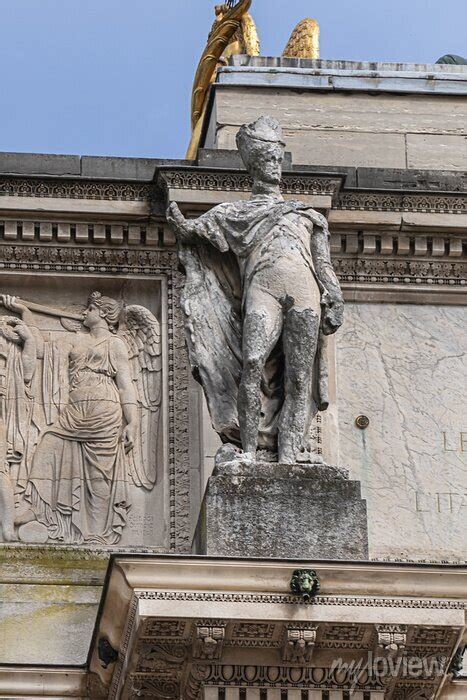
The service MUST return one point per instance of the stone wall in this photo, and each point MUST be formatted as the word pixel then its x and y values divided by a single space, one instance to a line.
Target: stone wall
pixel 397 115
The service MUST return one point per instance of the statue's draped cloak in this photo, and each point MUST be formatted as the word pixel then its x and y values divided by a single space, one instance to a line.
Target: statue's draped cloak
pixel 218 275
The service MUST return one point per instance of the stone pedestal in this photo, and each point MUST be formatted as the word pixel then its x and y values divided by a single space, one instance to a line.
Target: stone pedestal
pixel 306 511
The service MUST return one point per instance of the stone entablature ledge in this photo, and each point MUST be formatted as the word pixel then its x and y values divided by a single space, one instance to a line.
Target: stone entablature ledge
pixel 322 74
pixel 393 232
pixel 188 624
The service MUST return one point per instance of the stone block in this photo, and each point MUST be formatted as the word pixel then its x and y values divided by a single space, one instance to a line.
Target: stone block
pixel 39 164
pixel 336 111
pixel 308 511
pixel 435 180
pixel 407 377
pixel 223 158
pixel 118 168
pixel 437 151
pixel 336 147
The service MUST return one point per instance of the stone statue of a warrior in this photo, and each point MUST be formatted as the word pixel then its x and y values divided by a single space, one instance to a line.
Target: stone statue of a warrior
pixel 260 295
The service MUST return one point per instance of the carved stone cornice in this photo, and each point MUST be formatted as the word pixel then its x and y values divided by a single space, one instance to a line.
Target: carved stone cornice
pixel 74 188
pixel 406 272
pixel 429 202
pixel 74 259
pixel 285 599
pixel 186 627
pixel 234 181
pixel 303 183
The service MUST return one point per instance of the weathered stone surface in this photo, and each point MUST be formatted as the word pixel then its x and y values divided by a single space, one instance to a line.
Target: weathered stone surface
pixel 33 533
pixel 81 432
pixel 334 147
pixel 310 511
pixel 393 117
pixel 259 300
pixel 224 158
pixel 387 178
pixel 360 113
pixel 447 152
pixel 50 596
pixel 408 377
pixel 39 163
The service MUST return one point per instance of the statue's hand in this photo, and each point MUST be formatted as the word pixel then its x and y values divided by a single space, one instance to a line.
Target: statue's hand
pixel 128 437
pixel 183 228
pixel 12 304
pixel 332 315
pixel 21 329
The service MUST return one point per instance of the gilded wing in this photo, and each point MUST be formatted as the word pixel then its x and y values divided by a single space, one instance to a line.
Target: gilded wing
pixel 141 332
pixel 304 40
pixel 251 44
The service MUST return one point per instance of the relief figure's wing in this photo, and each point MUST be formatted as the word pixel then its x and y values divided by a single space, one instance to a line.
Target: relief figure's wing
pixel 250 38
pixel 141 332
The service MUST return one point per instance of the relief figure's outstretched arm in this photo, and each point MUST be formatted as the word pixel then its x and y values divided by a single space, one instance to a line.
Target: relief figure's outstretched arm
pixel 34 342
pixel 128 397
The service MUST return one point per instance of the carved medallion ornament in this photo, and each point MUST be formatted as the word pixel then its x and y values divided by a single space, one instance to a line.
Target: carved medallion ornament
pixel 80 418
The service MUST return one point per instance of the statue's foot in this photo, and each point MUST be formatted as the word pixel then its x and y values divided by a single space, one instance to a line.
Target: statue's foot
pixel 287 455
pixel 312 457
pixel 248 457
pixel 26 517
pixel 227 453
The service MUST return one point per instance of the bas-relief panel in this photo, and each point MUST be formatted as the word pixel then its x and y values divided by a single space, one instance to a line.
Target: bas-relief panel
pixel 404 367
pixel 82 419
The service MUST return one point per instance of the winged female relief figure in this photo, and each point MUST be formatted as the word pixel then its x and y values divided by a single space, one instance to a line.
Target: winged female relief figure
pixel 102 394
pixel 259 297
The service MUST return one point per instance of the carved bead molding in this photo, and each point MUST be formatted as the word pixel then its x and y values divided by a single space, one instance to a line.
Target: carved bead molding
pixel 303 184
pixel 401 272
pixel 427 203
pixel 452 272
pixel 74 189
pixel 286 599
pixel 195 179
pixel 241 182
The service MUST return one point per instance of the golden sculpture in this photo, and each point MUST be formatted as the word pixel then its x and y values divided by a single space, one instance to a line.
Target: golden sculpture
pixel 234 32
pixel 304 40
pixel 245 40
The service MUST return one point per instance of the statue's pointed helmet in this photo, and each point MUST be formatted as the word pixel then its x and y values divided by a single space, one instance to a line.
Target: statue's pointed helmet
pixel 265 129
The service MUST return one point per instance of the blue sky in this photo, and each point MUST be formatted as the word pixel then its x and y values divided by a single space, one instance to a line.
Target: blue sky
pixel 113 77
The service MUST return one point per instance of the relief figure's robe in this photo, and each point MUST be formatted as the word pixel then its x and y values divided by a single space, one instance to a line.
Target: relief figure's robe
pixel 77 484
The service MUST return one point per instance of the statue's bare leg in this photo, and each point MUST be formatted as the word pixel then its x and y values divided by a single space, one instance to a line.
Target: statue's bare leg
pixel 7 509
pixel 300 340
pixel 261 331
